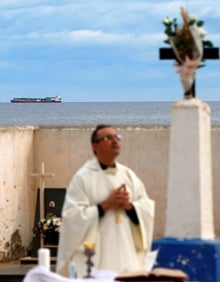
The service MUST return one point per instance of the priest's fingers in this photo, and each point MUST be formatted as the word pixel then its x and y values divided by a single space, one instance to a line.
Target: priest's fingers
pixel 118 198
pixel 122 187
pixel 122 199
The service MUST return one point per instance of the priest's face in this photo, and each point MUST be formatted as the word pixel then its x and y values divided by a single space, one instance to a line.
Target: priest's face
pixel 108 144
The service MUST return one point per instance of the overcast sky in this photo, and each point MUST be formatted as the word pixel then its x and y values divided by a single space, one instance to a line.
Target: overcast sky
pixel 98 50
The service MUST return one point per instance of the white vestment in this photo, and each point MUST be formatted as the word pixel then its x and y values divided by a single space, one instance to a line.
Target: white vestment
pixel 120 246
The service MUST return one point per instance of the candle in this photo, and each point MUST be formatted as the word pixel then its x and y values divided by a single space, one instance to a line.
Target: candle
pixel 89 246
pixel 44 258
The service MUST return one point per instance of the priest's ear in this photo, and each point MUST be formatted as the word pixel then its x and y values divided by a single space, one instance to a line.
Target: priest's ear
pixel 94 148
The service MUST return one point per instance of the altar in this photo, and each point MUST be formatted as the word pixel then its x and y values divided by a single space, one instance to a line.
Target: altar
pixel 41 274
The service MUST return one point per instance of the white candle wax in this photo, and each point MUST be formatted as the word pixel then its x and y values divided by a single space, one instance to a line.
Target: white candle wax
pixel 44 257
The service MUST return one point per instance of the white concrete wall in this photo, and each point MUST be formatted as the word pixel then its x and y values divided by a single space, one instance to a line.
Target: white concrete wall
pixel 63 150
pixel 16 194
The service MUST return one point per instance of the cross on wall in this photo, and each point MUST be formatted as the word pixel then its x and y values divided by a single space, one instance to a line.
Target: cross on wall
pixel 42 175
pixel 208 54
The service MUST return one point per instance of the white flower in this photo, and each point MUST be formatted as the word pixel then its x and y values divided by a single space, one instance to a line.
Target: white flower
pixel 193 17
pixel 51 223
pixel 202 32
pixel 167 20
pixel 48 222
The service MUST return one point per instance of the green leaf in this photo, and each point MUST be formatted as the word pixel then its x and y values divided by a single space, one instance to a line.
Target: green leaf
pixel 191 22
pixel 200 23
pixel 207 43
pixel 201 66
pixel 167 41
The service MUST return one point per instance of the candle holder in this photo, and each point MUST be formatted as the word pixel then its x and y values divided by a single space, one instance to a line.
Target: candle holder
pixel 89 253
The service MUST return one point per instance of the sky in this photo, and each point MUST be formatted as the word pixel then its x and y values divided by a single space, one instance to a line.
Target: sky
pixel 93 50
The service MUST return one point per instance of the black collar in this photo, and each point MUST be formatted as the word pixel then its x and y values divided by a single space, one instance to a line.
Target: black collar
pixel 103 166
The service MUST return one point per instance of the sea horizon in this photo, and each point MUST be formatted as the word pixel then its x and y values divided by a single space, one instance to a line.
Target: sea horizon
pixel 90 113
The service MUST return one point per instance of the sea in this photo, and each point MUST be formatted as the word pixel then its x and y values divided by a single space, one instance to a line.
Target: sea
pixel 93 113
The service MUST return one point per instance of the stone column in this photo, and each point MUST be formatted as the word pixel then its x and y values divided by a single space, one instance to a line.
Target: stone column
pixel 189 199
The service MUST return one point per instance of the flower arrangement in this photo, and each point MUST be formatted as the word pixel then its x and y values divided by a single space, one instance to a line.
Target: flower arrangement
pixel 49 228
pixel 188 43
pixel 50 224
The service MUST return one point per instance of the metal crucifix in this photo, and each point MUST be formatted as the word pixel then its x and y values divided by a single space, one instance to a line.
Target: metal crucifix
pixel 209 53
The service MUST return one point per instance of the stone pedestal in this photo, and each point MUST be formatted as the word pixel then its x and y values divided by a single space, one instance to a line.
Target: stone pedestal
pixel 189 242
pixel 189 199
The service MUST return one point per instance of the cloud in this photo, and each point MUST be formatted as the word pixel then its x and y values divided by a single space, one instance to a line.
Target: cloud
pixel 83 37
pixel 73 41
pixel 98 36
pixel 110 21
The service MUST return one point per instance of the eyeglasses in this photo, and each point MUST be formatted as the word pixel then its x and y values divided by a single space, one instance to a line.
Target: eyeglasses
pixel 110 137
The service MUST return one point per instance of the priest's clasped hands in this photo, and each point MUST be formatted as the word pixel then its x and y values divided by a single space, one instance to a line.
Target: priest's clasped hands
pixel 119 198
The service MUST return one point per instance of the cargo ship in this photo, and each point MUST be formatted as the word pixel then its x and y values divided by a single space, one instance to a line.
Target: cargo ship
pixel 56 99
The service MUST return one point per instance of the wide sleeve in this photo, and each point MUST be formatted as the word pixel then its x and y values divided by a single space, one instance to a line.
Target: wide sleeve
pixel 79 223
pixel 145 210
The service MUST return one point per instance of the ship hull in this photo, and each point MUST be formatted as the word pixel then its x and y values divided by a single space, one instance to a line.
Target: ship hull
pixel 27 100
pixel 35 102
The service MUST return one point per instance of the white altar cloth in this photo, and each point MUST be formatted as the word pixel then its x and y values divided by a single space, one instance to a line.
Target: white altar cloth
pixel 42 274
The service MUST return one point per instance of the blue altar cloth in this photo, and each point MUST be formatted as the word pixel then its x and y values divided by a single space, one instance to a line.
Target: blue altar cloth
pixel 199 258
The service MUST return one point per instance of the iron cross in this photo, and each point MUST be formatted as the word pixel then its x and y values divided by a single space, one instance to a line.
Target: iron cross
pixel 208 54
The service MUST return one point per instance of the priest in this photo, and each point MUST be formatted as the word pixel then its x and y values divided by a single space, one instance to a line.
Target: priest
pixel 107 205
